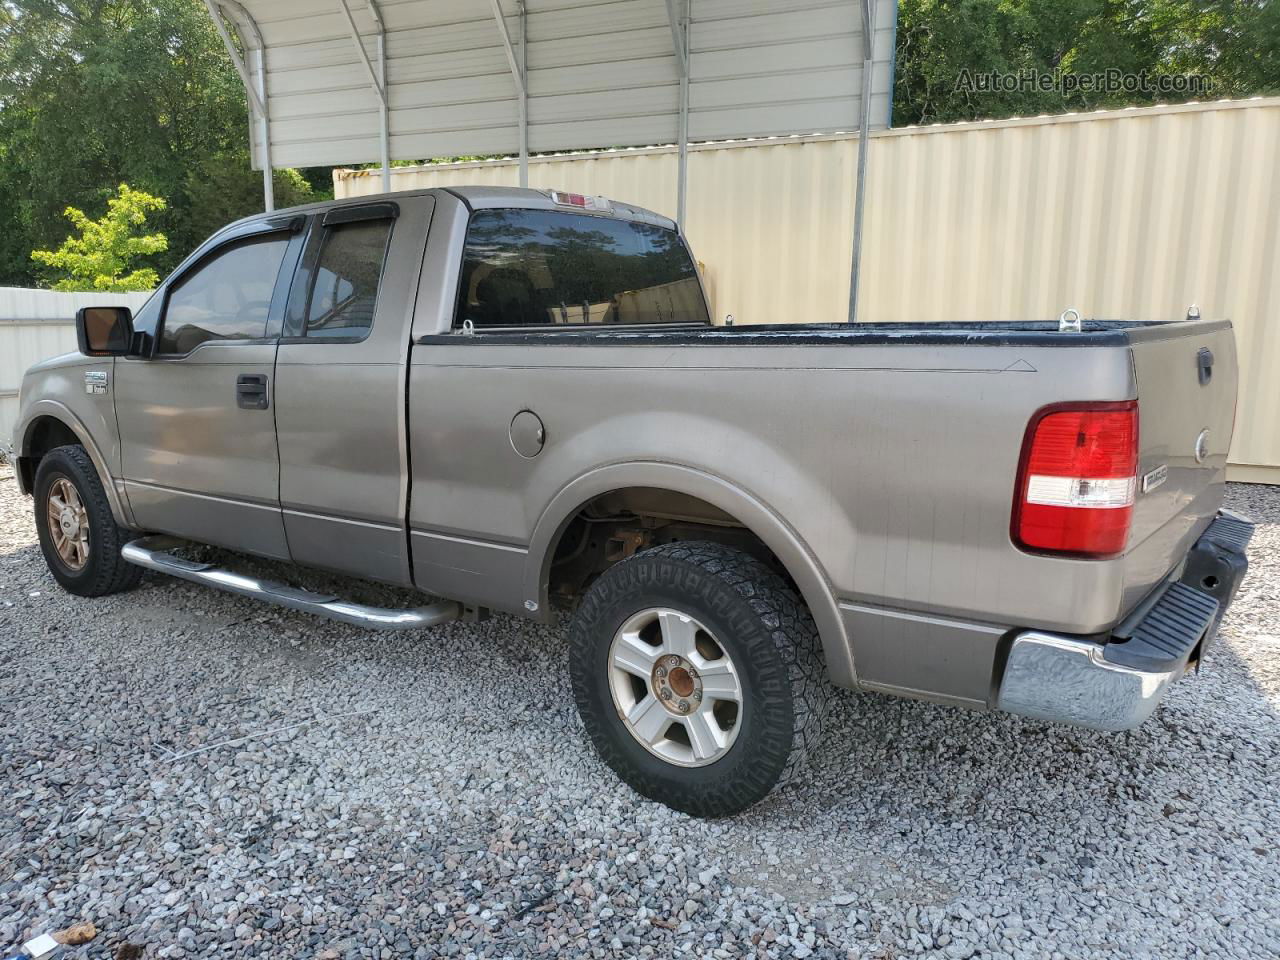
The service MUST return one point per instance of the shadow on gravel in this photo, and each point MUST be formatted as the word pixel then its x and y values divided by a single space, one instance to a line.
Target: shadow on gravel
pixel 910 802
pixel 1018 800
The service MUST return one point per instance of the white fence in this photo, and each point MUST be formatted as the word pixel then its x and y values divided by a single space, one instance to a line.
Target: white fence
pixel 36 324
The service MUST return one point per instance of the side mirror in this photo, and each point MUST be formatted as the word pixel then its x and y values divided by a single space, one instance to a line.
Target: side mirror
pixel 104 331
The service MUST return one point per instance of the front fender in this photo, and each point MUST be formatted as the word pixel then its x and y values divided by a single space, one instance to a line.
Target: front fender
pixel 755 515
pixel 24 433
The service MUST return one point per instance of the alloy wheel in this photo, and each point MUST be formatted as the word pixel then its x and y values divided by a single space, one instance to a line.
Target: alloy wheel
pixel 68 523
pixel 675 687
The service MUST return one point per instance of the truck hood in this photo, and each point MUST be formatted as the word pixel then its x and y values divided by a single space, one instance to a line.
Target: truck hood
pixel 73 359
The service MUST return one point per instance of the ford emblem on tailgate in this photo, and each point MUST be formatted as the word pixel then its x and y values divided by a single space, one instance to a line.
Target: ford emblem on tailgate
pixel 1202 445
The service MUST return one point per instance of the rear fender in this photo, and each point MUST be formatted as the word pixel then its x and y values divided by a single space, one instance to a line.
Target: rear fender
pixel 750 512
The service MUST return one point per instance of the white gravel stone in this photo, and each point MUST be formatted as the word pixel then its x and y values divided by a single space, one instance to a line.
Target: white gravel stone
pixel 432 795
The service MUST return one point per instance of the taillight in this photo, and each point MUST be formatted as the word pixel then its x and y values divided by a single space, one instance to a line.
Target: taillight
pixel 1077 479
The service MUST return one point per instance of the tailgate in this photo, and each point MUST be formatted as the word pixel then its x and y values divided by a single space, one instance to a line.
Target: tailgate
pixel 1186 380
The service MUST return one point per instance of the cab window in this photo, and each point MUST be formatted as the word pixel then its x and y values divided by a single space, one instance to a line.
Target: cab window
pixel 344 291
pixel 228 297
pixel 545 268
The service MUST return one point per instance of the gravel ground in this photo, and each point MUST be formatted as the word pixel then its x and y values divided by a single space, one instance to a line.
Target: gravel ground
pixel 204 776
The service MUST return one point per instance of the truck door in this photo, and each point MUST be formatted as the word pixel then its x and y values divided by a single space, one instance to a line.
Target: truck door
pixel 197 425
pixel 340 388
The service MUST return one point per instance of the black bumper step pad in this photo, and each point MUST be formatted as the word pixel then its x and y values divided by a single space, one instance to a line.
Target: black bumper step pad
pixel 1230 531
pixel 1169 632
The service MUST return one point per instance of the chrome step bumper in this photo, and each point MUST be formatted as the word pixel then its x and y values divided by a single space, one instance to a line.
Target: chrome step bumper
pixel 152 553
pixel 1117 684
pixel 1068 680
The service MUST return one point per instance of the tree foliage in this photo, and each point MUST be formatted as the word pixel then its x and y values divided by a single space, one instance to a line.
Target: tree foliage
pixel 98 258
pixel 1234 44
pixel 98 92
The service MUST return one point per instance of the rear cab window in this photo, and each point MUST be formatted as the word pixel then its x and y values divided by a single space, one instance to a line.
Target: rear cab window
pixel 344 290
pixel 545 268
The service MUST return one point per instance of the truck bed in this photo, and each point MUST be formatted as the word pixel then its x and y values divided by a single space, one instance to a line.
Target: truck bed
pixel 895 463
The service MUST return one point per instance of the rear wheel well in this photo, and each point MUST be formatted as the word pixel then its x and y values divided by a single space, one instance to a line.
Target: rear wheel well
pixel 44 434
pixel 618 524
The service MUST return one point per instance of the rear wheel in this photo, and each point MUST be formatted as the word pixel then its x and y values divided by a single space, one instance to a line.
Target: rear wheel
pixel 696 672
pixel 78 535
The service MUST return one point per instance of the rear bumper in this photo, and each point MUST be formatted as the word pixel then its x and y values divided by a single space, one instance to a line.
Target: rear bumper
pixel 1115 684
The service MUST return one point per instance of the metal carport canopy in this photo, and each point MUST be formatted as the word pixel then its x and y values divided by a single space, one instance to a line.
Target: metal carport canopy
pixel 334 82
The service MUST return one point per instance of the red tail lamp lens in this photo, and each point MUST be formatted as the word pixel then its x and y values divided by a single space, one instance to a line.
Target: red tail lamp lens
pixel 1077 479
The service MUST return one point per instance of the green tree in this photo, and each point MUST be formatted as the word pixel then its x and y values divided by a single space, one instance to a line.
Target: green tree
pixel 98 258
pixel 222 188
pixel 98 92
pixel 1234 44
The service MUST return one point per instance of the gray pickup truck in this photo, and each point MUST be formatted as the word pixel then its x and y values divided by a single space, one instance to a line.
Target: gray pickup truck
pixel 517 401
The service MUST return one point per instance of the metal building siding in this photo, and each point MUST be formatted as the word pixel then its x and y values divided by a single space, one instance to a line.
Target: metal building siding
pixel 1130 213
pixel 599 72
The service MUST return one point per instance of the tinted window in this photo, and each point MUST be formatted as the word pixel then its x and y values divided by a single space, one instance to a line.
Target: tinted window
pixel 227 298
pixel 541 268
pixel 345 291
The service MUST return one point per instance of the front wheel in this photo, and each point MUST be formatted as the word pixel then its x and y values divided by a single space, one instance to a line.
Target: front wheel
pixel 78 535
pixel 697 674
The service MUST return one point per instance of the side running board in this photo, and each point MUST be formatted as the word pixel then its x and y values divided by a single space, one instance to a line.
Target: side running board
pixel 153 553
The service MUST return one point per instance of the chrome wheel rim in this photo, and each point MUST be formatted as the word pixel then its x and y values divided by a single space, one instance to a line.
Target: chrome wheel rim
pixel 68 524
pixel 675 687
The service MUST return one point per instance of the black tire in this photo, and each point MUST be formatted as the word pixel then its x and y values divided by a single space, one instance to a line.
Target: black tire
pixel 770 637
pixel 104 570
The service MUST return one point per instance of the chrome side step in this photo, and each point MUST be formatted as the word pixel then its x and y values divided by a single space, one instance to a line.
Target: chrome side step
pixel 152 553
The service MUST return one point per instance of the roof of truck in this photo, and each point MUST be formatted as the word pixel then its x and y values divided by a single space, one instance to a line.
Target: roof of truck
pixel 484 198
pixel 489 197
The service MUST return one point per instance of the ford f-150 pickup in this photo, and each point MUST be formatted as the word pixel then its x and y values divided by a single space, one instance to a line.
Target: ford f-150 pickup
pixel 517 401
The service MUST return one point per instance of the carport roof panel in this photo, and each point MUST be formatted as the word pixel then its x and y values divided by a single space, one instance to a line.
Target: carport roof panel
pixel 601 73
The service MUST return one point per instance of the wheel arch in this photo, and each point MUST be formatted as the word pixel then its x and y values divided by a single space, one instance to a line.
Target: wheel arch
pixel 48 424
pixel 754 515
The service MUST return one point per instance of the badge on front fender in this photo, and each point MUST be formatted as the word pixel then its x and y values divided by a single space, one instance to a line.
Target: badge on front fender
pixel 95 382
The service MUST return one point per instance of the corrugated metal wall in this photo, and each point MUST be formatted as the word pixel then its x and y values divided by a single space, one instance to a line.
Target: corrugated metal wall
pixel 1130 213
pixel 36 324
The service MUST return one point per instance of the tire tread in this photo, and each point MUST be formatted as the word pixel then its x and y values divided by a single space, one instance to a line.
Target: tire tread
pixel 793 646
pixel 111 572
pixel 795 637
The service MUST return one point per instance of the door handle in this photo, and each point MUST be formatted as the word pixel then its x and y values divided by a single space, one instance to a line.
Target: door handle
pixel 251 391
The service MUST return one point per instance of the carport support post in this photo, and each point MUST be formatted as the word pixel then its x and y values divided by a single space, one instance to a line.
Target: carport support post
pixel 679 20
pixel 864 135
pixel 264 125
pixel 517 77
pixel 256 94
pixel 384 126
pixel 524 94
pixel 377 78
